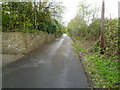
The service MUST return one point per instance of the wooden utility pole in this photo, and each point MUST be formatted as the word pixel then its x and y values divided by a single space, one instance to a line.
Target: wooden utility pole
pixel 102 29
pixel 110 16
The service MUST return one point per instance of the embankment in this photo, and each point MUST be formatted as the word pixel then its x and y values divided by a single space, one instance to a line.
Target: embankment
pixel 18 43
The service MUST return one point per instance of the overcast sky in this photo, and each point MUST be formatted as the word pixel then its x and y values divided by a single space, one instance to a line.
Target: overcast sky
pixel 111 6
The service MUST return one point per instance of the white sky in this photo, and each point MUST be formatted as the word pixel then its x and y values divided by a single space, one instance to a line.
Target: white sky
pixel 111 6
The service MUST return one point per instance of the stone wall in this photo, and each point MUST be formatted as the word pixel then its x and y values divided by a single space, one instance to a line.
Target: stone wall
pixel 0 42
pixel 23 43
pixel 0 58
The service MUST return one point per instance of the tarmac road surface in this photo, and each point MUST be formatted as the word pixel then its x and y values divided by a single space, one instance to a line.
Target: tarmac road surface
pixel 54 65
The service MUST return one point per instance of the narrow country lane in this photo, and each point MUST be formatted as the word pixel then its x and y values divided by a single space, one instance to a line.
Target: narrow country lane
pixel 54 65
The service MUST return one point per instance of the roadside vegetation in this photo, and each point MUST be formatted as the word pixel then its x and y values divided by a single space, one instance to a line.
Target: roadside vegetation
pixel 84 29
pixel 32 17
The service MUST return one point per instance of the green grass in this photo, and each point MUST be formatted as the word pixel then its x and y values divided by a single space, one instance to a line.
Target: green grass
pixel 77 48
pixel 103 70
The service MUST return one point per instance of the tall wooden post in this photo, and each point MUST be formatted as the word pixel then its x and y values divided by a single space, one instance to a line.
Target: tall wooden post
pixel 102 29
pixel 110 16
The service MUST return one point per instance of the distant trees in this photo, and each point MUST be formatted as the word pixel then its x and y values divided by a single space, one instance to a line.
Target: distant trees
pixel 79 24
pixel 31 16
pixel 87 26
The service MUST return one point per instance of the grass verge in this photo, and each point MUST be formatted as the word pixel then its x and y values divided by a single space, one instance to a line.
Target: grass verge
pixel 102 70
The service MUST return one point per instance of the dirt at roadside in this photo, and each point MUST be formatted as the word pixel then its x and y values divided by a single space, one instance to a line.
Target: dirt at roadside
pixel 6 59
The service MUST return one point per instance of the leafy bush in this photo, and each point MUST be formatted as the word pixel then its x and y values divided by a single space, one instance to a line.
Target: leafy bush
pixel 111 37
pixel 29 17
pixel 94 30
